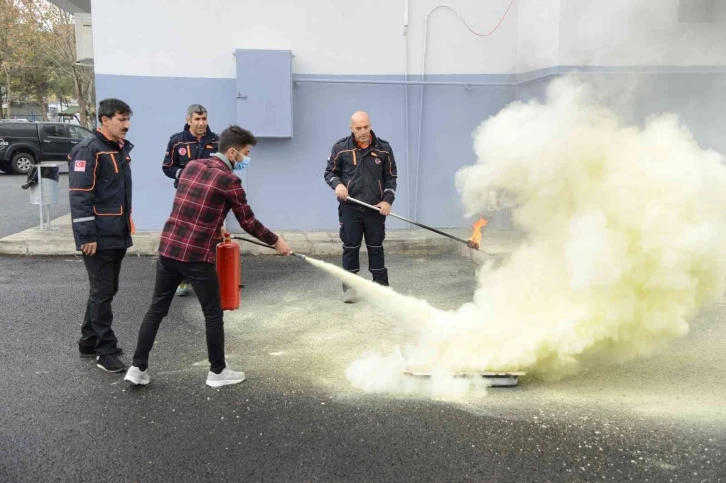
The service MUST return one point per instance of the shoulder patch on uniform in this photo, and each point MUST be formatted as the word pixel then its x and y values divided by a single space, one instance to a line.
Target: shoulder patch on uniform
pixel 80 165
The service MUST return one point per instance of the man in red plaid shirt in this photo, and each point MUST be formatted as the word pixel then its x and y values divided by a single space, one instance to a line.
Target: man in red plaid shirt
pixel 207 190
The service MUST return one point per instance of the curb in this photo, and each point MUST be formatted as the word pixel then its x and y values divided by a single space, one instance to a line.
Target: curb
pixel 146 244
pixel 58 241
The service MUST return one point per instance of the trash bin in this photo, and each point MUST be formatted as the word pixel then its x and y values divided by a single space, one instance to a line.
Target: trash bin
pixel 51 191
pixel 45 193
pixel 48 172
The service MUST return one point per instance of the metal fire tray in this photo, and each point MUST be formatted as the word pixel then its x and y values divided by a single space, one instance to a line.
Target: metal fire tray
pixel 495 379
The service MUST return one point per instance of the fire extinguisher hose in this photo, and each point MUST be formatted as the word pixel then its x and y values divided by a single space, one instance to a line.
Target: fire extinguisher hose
pixel 255 242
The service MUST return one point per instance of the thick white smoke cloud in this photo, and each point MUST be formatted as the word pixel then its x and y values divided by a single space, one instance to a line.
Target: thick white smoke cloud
pixel 626 243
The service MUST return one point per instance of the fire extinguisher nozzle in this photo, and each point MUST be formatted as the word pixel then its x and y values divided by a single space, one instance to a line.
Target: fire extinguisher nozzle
pixel 298 255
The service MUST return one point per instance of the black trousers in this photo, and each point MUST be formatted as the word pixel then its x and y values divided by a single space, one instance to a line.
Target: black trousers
pixel 203 278
pixel 355 223
pixel 103 272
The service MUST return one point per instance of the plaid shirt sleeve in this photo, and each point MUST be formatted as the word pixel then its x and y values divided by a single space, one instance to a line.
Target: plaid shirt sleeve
pixel 237 199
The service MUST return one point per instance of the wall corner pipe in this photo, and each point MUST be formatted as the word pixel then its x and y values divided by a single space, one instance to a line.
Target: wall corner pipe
pixel 423 75
pixel 420 113
pixel 406 138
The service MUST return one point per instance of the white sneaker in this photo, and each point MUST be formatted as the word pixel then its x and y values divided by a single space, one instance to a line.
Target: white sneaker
pixel 225 378
pixel 135 376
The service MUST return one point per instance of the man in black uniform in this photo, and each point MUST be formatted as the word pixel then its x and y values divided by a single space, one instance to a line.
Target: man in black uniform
pixel 195 141
pixel 99 180
pixel 362 166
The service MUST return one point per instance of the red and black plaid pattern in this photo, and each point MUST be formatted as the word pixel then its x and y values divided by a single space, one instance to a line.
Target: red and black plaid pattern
pixel 207 190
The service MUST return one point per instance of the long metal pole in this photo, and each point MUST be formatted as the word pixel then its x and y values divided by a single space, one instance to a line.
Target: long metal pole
pixel 377 209
pixel 415 223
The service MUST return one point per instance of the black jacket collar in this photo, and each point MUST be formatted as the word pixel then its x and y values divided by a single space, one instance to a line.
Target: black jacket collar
pixel 354 144
pixel 126 144
pixel 188 136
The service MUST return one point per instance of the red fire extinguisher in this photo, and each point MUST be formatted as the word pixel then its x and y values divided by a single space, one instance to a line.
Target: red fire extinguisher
pixel 229 271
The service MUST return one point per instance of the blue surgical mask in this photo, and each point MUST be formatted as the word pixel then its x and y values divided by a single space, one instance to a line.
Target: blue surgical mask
pixel 240 165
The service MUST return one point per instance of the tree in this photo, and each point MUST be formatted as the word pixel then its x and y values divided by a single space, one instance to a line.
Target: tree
pixel 27 72
pixel 63 88
pixel 32 74
pixel 56 44
pixel 8 18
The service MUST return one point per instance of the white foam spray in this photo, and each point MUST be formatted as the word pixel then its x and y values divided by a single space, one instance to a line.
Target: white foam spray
pixel 626 243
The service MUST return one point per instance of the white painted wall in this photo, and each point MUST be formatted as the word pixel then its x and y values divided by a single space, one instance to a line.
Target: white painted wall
pixel 638 32
pixel 452 48
pixel 538 34
pixel 181 38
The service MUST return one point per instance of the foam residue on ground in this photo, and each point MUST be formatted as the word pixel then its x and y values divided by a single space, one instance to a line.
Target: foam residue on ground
pixel 626 231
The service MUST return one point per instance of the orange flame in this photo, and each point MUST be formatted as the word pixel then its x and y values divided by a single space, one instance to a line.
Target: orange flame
pixel 476 232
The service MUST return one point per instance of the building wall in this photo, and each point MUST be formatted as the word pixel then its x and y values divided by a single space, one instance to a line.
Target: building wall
pixel 640 33
pixel 327 37
pixel 161 66
pixel 538 39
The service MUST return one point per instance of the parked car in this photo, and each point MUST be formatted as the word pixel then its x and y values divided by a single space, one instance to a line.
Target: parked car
pixel 23 144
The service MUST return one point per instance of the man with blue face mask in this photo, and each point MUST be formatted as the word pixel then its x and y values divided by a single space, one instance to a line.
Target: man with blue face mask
pixel 207 190
pixel 242 164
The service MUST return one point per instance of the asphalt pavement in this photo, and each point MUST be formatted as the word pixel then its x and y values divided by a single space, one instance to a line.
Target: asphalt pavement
pixel 296 418
pixel 18 213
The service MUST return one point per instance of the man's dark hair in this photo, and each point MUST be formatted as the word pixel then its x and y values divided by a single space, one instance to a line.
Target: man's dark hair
pixel 235 137
pixel 110 107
